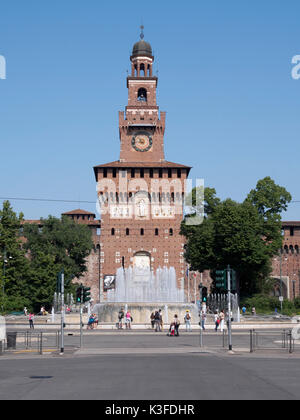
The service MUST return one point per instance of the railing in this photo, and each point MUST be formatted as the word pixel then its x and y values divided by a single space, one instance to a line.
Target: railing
pixel 30 341
pixel 271 340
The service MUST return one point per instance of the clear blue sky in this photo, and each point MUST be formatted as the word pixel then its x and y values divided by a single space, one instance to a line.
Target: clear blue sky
pixel 224 80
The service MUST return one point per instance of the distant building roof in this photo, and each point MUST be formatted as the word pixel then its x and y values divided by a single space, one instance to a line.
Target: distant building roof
pixel 78 212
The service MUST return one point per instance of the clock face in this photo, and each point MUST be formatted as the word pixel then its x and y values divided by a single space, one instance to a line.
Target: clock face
pixel 141 142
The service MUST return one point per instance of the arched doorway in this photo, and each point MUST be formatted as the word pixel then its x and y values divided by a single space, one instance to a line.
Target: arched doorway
pixel 141 267
pixel 141 260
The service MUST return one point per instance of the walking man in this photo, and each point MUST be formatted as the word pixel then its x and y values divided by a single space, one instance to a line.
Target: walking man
pixel 157 321
pixel 30 318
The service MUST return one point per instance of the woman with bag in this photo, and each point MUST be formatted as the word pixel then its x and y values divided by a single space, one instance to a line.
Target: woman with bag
pixel 217 320
pixel 128 320
pixel 222 319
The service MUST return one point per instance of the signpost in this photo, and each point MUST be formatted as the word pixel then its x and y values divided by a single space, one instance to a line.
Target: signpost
pixel 62 312
pixel 229 307
pixel 200 313
pixel 226 280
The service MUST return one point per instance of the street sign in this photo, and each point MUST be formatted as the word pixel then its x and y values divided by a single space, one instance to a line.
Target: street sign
pixel 280 298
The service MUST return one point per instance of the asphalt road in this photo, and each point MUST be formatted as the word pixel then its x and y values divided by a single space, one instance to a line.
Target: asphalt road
pixel 150 377
pixel 149 367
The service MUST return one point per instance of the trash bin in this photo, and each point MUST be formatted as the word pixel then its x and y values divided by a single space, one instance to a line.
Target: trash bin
pixel 11 339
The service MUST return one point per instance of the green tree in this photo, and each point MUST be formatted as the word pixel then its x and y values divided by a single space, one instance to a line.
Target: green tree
pixel 54 245
pixel 14 272
pixel 244 235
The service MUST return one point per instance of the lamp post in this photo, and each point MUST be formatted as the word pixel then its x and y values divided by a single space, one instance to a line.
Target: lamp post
pixel 280 273
pixel 200 287
pixel 294 282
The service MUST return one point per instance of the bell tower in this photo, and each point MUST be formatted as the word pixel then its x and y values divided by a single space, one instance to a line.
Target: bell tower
pixel 141 128
pixel 141 194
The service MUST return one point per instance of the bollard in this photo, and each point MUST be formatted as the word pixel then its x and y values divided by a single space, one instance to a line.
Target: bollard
pixel 283 339
pixel 41 343
pixel 290 341
pixel 251 341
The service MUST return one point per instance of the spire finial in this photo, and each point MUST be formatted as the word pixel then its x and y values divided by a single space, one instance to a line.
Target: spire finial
pixel 142 33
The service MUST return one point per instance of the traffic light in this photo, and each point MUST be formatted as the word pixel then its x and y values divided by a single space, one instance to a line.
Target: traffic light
pixel 78 294
pixel 221 279
pixel 86 294
pixel 204 294
pixel 233 279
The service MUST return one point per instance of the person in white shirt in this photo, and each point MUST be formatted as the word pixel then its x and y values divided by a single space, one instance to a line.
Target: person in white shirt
pixel 187 320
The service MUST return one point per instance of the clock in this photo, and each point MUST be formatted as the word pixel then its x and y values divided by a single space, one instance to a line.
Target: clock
pixel 141 142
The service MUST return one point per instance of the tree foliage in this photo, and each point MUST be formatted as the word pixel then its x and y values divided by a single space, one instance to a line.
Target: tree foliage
pixel 15 268
pixel 55 245
pixel 31 260
pixel 244 235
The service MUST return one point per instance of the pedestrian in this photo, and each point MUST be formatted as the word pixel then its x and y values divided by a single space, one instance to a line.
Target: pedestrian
pixel 229 315
pixel 187 320
pixel 161 324
pixel 95 325
pixel 253 311
pixel 152 320
pixel 222 319
pixel 157 321
pixel 31 318
pixel 244 310
pixel 25 311
pixel 128 319
pixel 90 324
pixel 217 320
pixel 203 319
pixel 176 324
pixel 120 318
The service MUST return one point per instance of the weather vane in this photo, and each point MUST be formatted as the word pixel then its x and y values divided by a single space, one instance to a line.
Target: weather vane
pixel 142 33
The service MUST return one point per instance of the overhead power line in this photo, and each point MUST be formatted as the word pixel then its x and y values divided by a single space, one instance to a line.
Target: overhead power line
pixel 47 199
pixel 70 201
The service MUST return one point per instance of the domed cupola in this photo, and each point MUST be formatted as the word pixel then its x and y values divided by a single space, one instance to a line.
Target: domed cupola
pixel 142 58
pixel 142 48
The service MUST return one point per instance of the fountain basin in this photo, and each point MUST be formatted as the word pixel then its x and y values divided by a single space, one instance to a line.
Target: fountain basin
pixel 140 312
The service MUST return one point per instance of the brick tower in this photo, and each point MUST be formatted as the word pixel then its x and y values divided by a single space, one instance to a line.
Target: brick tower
pixel 141 194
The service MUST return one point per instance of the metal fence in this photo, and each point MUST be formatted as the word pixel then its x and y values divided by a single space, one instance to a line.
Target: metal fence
pixel 31 341
pixel 272 340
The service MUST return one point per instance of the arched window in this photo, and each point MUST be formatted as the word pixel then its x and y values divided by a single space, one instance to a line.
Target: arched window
pixel 156 232
pixel 142 70
pixel 142 231
pixel 142 95
pixel 127 232
pixel 171 232
pixel 291 249
pixel 112 231
pixel 297 249
pixel 286 249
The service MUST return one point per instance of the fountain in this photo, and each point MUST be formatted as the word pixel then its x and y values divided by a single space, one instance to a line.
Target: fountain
pixel 144 292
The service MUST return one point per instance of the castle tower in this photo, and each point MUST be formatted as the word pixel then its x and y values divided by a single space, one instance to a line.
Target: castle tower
pixel 141 194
